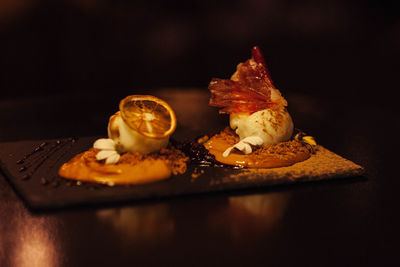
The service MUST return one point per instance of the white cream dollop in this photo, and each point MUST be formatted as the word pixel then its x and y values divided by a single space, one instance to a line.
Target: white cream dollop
pixel 244 145
pixel 267 127
pixel 107 151
pixel 129 140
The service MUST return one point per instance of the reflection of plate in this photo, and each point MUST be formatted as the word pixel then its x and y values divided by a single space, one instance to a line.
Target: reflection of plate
pixel 45 189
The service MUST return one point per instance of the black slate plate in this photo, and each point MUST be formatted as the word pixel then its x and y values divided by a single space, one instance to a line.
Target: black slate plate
pixel 36 180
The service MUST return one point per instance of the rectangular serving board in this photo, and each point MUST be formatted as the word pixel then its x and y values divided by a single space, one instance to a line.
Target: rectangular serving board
pixel 40 187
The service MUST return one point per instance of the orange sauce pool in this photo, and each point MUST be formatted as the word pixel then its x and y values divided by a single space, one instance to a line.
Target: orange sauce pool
pixel 279 155
pixel 84 167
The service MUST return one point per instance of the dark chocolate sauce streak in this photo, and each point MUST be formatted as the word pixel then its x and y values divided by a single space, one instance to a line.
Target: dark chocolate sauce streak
pixel 199 155
pixel 32 158
pixel 36 150
pixel 54 180
pixel 32 164
pixel 71 142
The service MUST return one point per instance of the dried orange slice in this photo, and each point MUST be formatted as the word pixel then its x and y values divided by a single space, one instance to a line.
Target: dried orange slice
pixel 148 115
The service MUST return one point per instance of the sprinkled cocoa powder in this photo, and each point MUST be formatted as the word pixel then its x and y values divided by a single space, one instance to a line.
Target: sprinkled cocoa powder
pixel 324 164
pixel 228 136
pixel 283 150
pixel 131 158
pixel 174 158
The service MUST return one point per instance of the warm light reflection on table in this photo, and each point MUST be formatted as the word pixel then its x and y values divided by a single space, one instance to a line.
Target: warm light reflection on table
pixel 141 223
pixel 33 240
pixel 238 217
pixel 246 216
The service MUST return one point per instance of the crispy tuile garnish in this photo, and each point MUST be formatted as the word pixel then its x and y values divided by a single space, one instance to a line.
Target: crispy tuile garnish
pixel 249 90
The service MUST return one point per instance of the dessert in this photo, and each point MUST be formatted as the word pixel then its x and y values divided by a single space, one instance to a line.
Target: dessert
pixel 137 149
pixel 261 128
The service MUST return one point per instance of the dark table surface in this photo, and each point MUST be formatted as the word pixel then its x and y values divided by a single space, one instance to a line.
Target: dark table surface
pixel 352 222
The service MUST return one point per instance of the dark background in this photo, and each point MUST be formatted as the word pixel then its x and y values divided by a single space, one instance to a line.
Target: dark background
pixel 64 65
pixel 335 48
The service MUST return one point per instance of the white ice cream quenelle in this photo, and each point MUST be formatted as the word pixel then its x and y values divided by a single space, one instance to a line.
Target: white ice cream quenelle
pixel 264 127
pixel 129 140
pixel 271 125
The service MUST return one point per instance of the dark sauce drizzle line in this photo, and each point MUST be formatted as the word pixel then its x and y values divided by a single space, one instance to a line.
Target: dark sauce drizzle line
pixel 36 163
pixel 36 157
pixel 33 152
pixel 39 157
pixel 54 179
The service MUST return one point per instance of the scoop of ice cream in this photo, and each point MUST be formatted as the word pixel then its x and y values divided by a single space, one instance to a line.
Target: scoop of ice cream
pixel 129 140
pixel 271 125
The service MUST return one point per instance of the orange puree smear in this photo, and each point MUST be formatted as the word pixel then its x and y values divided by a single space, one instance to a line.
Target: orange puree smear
pixel 273 156
pixel 132 168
